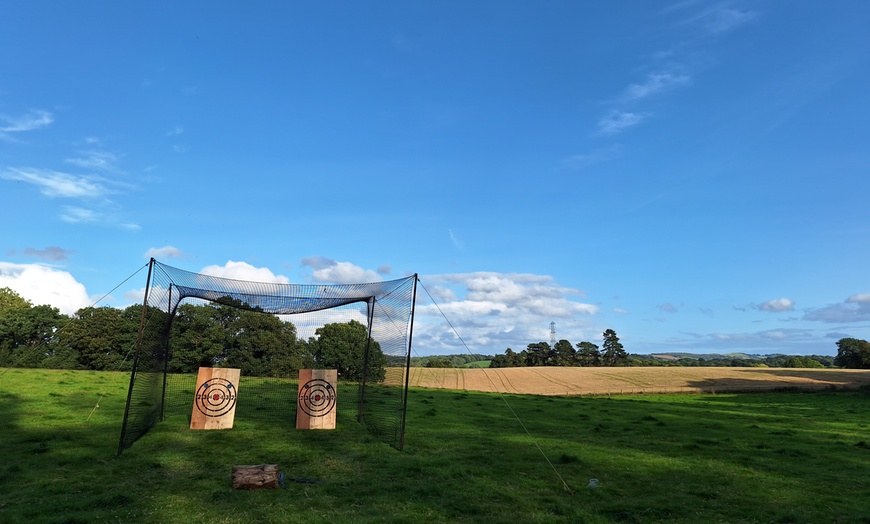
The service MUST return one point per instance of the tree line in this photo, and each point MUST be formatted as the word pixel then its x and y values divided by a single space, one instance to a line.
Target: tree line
pixel 851 353
pixel 221 334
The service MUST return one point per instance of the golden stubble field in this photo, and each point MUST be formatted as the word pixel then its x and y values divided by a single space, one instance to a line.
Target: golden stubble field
pixel 605 381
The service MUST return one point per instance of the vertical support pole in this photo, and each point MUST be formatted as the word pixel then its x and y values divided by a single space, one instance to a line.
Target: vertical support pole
pixel 408 364
pixel 165 341
pixel 136 357
pixel 360 411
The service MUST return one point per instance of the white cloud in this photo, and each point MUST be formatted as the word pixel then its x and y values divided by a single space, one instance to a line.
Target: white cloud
pixel 244 271
pixel 655 83
pixel 720 20
pixel 329 271
pixel 618 121
pixel 492 311
pixel 45 285
pixel 860 298
pixel 777 305
pixel 55 183
pixel 164 252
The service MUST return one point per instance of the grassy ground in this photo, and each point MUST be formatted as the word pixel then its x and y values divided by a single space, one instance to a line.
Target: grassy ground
pixel 734 458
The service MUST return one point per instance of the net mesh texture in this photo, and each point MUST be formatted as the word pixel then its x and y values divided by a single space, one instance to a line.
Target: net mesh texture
pixel 174 340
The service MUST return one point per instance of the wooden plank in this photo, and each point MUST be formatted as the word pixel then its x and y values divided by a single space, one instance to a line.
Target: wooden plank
pixel 316 405
pixel 214 402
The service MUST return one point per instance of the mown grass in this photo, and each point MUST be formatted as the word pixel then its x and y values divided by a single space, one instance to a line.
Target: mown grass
pixel 786 457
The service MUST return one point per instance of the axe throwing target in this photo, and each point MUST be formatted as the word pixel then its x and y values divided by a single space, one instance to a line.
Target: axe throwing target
pixel 214 402
pixel 315 408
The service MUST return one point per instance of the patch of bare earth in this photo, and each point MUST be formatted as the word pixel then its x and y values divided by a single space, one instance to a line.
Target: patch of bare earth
pixel 604 381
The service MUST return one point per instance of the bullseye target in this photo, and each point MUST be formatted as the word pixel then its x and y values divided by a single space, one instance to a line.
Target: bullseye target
pixel 315 406
pixel 317 397
pixel 216 397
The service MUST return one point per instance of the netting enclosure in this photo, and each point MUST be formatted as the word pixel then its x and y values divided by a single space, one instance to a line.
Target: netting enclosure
pixel 270 331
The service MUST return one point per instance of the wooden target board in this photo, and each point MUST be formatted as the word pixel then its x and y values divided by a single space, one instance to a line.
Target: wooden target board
pixel 214 402
pixel 315 408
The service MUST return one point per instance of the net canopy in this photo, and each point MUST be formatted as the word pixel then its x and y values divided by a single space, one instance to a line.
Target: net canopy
pixel 271 330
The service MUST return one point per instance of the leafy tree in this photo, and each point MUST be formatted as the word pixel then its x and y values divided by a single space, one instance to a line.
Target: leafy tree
pixel 439 363
pixel 9 299
pixel 564 353
pixel 587 354
pixel 342 346
pixel 28 336
pixel 612 353
pixel 227 334
pixel 853 353
pixel 101 338
pixel 540 354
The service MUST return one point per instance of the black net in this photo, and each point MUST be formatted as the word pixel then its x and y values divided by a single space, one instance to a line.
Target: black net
pixel 270 331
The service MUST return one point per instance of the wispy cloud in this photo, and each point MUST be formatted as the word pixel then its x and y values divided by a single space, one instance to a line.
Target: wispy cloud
pixel 56 184
pixel 26 122
pixel 99 160
pixel 595 157
pixel 52 253
pixel 80 215
pixel 618 121
pixel 655 83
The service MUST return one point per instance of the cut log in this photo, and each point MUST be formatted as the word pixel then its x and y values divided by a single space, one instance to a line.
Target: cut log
pixel 255 477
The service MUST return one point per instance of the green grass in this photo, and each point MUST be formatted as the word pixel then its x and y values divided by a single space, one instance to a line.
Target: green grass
pixel 781 457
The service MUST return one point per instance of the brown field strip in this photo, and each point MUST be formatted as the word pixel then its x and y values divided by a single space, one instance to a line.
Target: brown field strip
pixel 606 381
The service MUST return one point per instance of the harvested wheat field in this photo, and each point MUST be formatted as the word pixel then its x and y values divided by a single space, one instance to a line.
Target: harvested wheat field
pixel 604 381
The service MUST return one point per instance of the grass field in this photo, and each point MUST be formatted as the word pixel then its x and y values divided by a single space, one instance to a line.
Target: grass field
pixel 635 380
pixel 768 457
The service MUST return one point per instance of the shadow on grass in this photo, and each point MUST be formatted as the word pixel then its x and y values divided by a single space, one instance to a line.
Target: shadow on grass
pixel 658 458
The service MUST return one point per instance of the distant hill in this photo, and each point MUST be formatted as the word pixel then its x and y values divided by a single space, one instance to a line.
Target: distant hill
pixel 707 356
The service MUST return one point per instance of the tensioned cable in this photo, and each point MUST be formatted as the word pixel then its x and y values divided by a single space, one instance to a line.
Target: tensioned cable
pixel 495 388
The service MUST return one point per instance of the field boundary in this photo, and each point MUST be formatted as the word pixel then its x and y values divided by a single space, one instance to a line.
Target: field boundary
pixel 576 381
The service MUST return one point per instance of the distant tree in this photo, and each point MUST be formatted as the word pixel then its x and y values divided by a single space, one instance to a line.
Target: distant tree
pixel 587 354
pixel 564 353
pixel 540 354
pixel 343 347
pixel 613 354
pixel 439 363
pixel 853 353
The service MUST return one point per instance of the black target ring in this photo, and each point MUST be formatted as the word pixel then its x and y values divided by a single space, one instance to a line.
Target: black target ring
pixel 317 397
pixel 216 397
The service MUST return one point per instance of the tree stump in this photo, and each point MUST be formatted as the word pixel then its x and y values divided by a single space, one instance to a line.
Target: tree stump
pixel 255 477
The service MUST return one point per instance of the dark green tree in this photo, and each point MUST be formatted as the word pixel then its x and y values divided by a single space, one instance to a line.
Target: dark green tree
pixel 28 337
pixel 342 346
pixel 101 338
pixel 439 363
pixel 853 353
pixel 227 334
pixel 540 354
pixel 564 353
pixel 612 352
pixel 587 354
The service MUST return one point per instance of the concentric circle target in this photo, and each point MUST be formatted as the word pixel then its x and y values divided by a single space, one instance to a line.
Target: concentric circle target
pixel 216 397
pixel 317 397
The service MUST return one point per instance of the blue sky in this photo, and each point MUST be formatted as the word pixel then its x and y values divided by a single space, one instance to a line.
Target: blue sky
pixel 692 174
